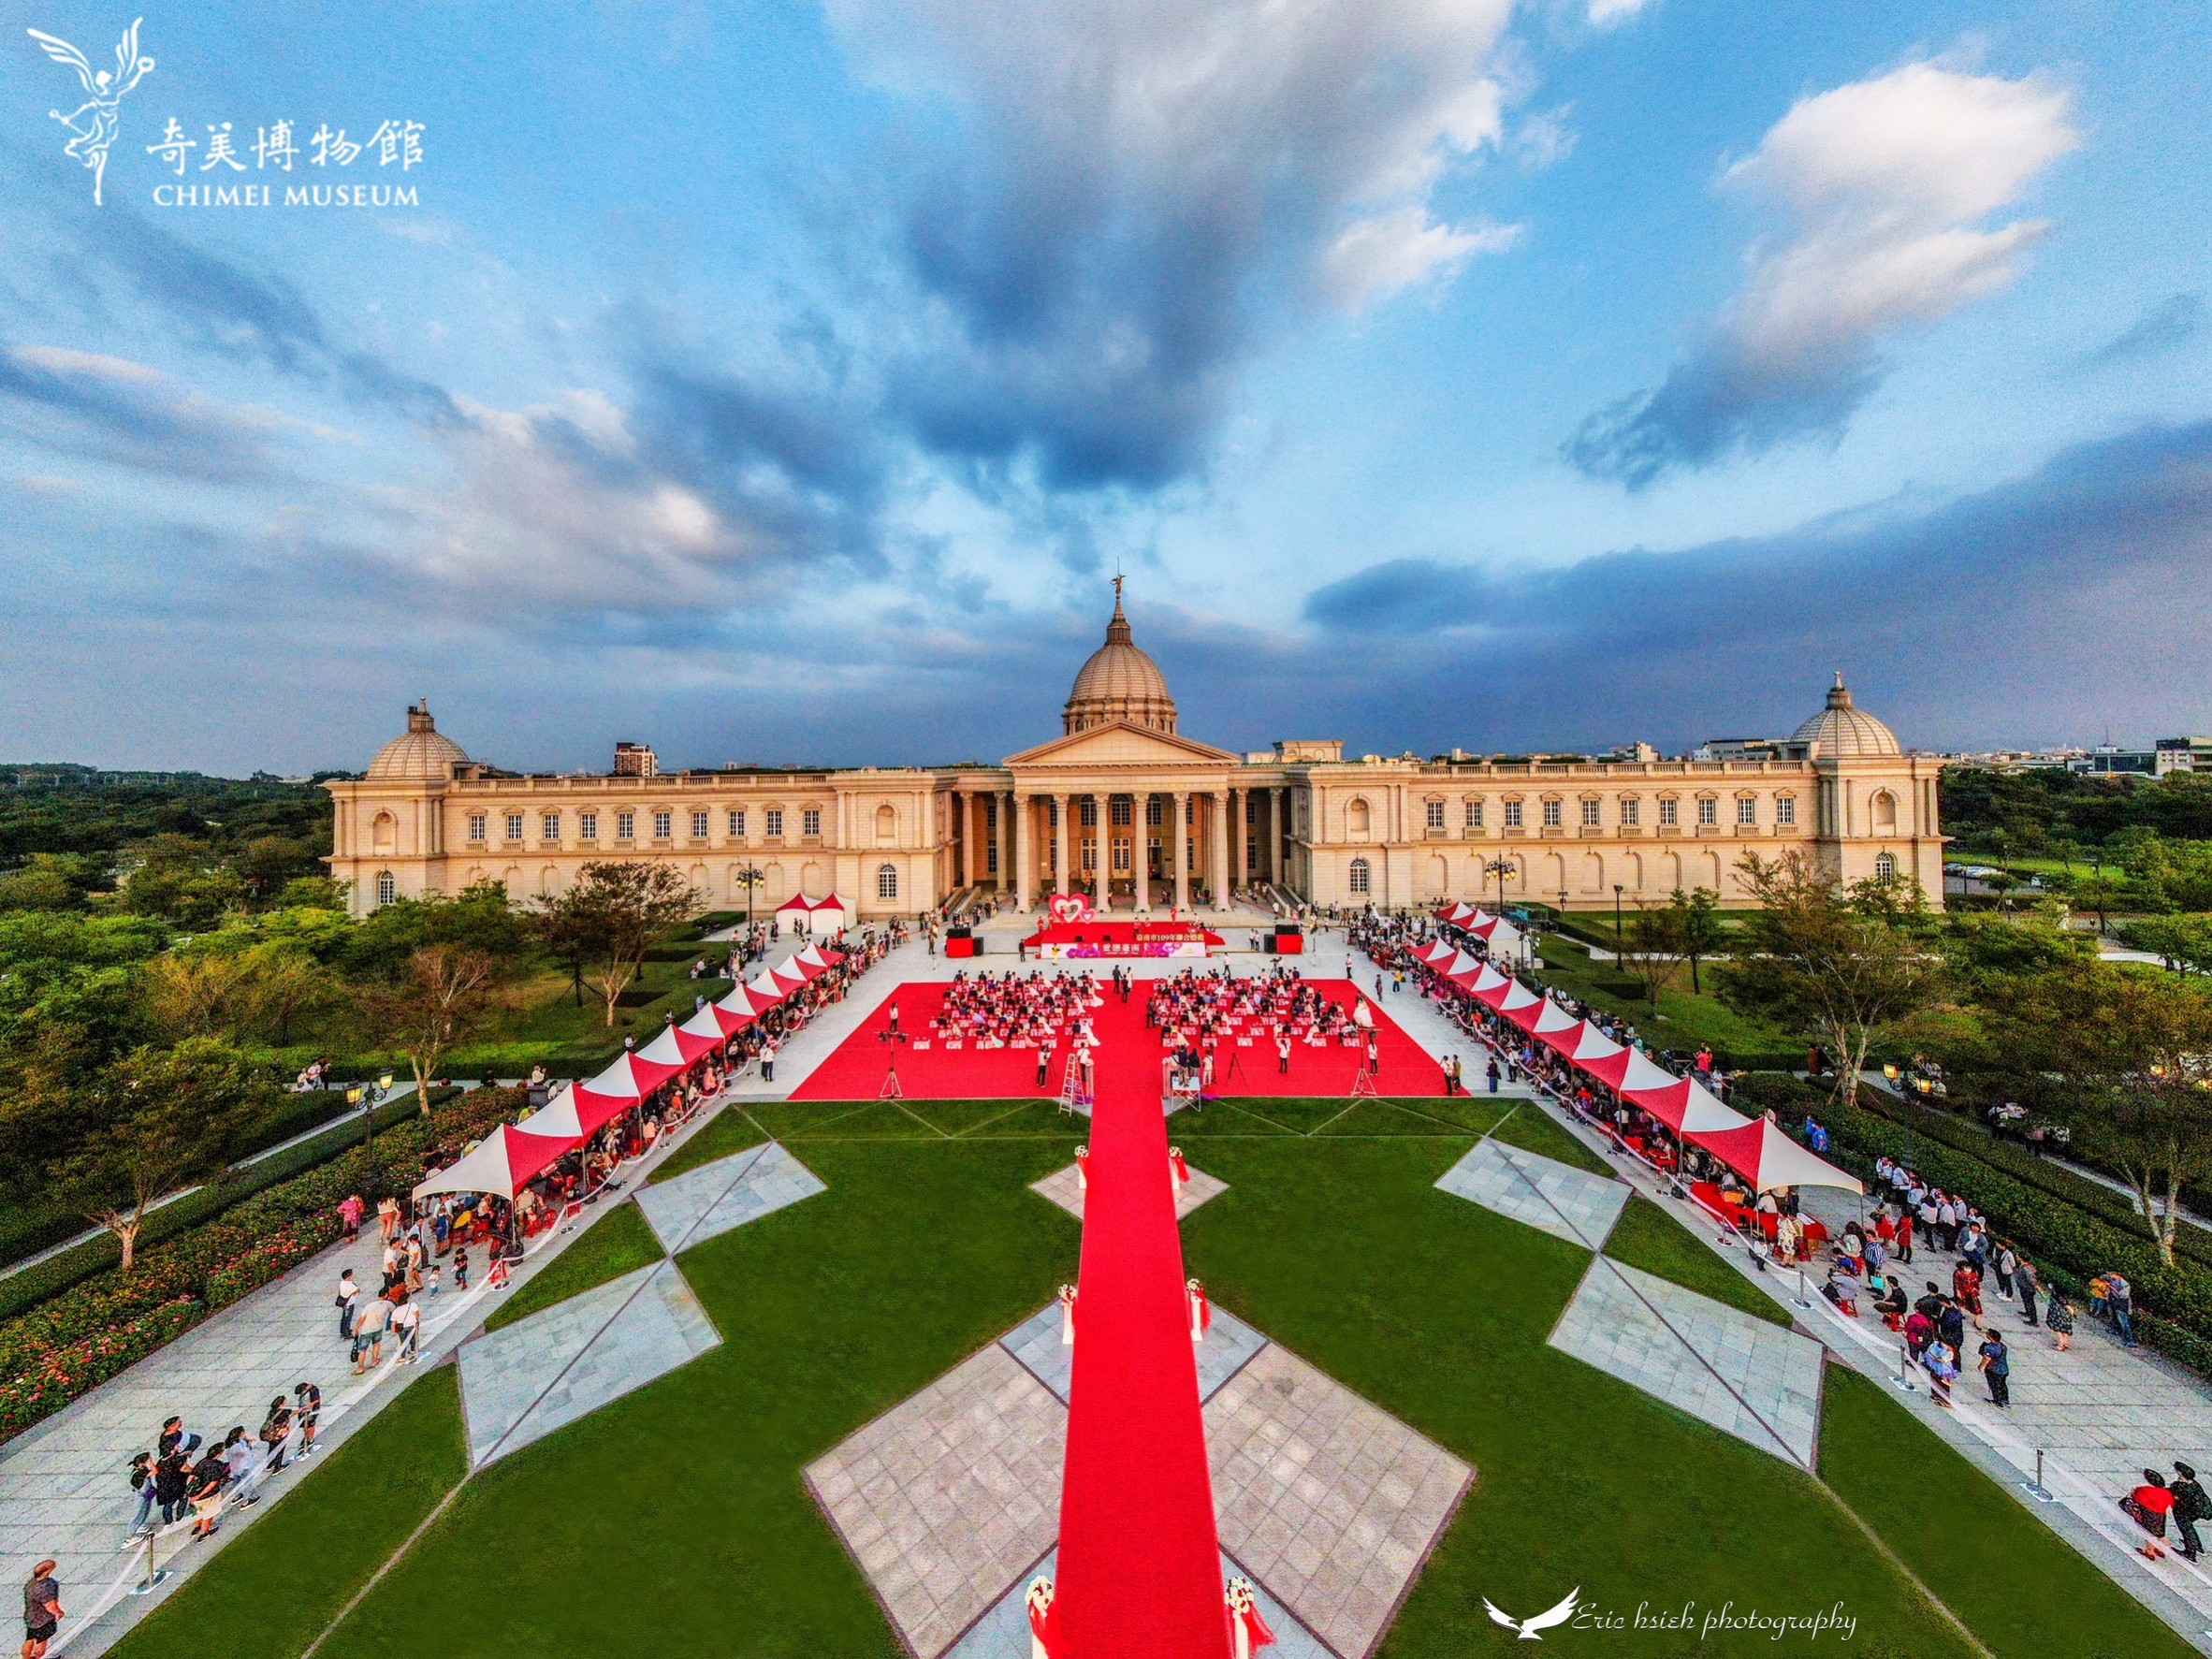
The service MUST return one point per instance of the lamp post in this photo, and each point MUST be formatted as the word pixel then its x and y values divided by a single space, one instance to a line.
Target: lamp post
pixel 748 877
pixel 1501 868
pixel 1620 949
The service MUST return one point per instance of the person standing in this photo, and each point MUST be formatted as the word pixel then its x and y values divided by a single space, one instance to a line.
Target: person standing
pixel 276 1429
pixel 387 1217
pixel 2121 1305
pixel 142 1484
pixel 407 1321
pixel 1996 1368
pixel 2059 1318
pixel 2190 1506
pixel 769 1060
pixel 307 1405
pixel 350 1213
pixel 42 1609
pixel 349 1301
pixel 2024 1277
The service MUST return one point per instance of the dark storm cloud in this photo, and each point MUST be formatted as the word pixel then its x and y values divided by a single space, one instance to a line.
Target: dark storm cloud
pixel 1988 619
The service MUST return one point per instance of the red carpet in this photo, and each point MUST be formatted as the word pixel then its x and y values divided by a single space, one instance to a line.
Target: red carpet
pixel 1140 1568
pixel 855 1071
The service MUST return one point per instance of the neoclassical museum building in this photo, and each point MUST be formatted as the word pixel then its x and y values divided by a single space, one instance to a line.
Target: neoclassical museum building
pixel 1124 802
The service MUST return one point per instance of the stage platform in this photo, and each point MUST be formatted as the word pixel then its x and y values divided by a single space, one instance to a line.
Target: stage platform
pixel 931 1068
pixel 1096 940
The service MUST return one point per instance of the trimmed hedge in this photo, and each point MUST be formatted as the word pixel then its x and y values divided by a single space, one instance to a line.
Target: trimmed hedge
pixel 2173 1305
pixel 77 1340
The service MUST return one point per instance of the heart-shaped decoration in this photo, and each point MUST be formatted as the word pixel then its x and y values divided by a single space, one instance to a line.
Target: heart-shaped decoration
pixel 1068 907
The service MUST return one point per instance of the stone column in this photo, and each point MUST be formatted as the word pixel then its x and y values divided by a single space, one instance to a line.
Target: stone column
pixel 1102 845
pixel 1140 872
pixel 1273 856
pixel 1236 838
pixel 1059 811
pixel 1005 800
pixel 1180 850
pixel 961 821
pixel 1022 856
pixel 1218 805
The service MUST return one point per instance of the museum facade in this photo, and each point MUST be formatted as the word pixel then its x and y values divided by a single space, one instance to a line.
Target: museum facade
pixel 1123 806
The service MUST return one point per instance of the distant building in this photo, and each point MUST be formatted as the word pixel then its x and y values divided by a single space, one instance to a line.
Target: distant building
pixel 636 759
pixel 2182 754
pixel 1742 749
pixel 1631 754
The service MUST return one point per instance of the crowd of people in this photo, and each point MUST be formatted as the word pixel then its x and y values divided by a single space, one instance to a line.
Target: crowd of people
pixel 1014 1010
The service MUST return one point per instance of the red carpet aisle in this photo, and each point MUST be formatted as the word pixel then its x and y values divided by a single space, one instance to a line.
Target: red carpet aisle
pixel 1140 1569
pixel 855 1071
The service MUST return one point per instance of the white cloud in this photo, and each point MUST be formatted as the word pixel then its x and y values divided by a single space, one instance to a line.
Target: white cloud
pixel 1888 178
pixel 1604 14
pixel 1382 252
pixel 1545 141
pixel 60 359
pixel 1886 185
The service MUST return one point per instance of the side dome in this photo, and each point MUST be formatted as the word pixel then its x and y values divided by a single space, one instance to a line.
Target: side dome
pixel 422 751
pixel 1119 682
pixel 1845 732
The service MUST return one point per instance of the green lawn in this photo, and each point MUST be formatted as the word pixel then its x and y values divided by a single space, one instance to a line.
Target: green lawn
pixel 1682 1020
pixel 1646 1237
pixel 616 1242
pixel 675 1519
pixel 1534 1130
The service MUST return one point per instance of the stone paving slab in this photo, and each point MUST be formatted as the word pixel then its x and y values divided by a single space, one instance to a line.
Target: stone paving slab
pixel 949 1496
pixel 1554 1198
pixel 1003 1633
pixel 1035 1343
pixel 657 1326
pixel 702 1203
pixel 1064 1190
pixel 1746 1376
pixel 1330 1503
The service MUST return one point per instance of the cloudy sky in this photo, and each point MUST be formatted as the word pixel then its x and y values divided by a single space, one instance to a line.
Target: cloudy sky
pixel 785 380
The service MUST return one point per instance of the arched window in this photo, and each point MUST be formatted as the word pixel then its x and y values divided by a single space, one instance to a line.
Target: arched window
pixel 886 882
pixel 1358 883
pixel 386 889
pixel 887 824
pixel 1355 822
pixel 1885 811
pixel 1884 867
pixel 383 834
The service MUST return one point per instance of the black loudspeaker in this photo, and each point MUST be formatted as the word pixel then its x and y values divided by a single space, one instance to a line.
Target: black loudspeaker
pixel 1267 944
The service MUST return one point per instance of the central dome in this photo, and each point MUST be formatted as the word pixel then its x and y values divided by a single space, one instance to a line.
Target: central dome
pixel 1119 682
pixel 422 751
pixel 1843 730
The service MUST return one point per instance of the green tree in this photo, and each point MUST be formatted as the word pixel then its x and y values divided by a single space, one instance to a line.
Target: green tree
pixel 441 1000
pixel 478 919
pixel 609 917
pixel 167 1117
pixel 1693 918
pixel 2134 1054
pixel 1653 952
pixel 179 880
pixel 1843 967
pixel 2181 942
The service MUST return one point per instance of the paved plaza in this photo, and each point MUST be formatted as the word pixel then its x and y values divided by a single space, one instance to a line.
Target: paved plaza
pixel 949 1496
pixel 1746 1376
pixel 706 1202
pixel 950 1500
pixel 523 1381
pixel 1064 1190
pixel 1003 1633
pixel 1554 1198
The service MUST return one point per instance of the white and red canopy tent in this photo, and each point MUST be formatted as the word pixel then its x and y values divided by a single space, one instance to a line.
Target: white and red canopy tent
pixel 764 992
pixel 1768 1160
pixel 815 961
pixel 676 1048
pixel 505 1161
pixel 1436 953
pixel 830 914
pixel 1457 915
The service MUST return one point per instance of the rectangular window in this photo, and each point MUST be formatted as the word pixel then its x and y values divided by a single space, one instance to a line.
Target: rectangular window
pixel 1669 814
pixel 775 821
pixel 1474 814
pixel 1090 855
pixel 664 824
pixel 625 826
pixel 1155 812
pixel 1589 815
pixel 1512 814
pixel 1708 812
pixel 1121 858
pixel 1118 812
pixel 1785 808
pixel 1436 815
pixel 476 826
pixel 811 821
pixel 1747 809
pixel 737 820
pixel 1631 813
pixel 699 822
pixel 588 826
pixel 549 826
pixel 514 826
pixel 1550 814
pixel 1088 812
pixel 991 859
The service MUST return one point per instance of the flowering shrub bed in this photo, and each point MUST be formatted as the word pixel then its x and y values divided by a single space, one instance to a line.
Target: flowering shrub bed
pixel 77 1340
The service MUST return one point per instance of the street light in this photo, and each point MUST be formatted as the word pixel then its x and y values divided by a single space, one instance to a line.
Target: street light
pixel 748 877
pixel 1501 868
pixel 1620 949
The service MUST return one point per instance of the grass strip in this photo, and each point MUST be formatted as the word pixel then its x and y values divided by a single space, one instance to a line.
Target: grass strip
pixel 618 1241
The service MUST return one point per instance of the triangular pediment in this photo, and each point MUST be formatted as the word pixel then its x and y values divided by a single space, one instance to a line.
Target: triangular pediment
pixel 1123 743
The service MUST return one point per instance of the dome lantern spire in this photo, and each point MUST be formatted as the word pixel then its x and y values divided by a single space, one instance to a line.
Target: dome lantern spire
pixel 1119 682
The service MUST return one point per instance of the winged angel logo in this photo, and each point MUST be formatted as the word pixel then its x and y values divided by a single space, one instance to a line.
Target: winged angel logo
pixel 95 122
pixel 1531 1629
